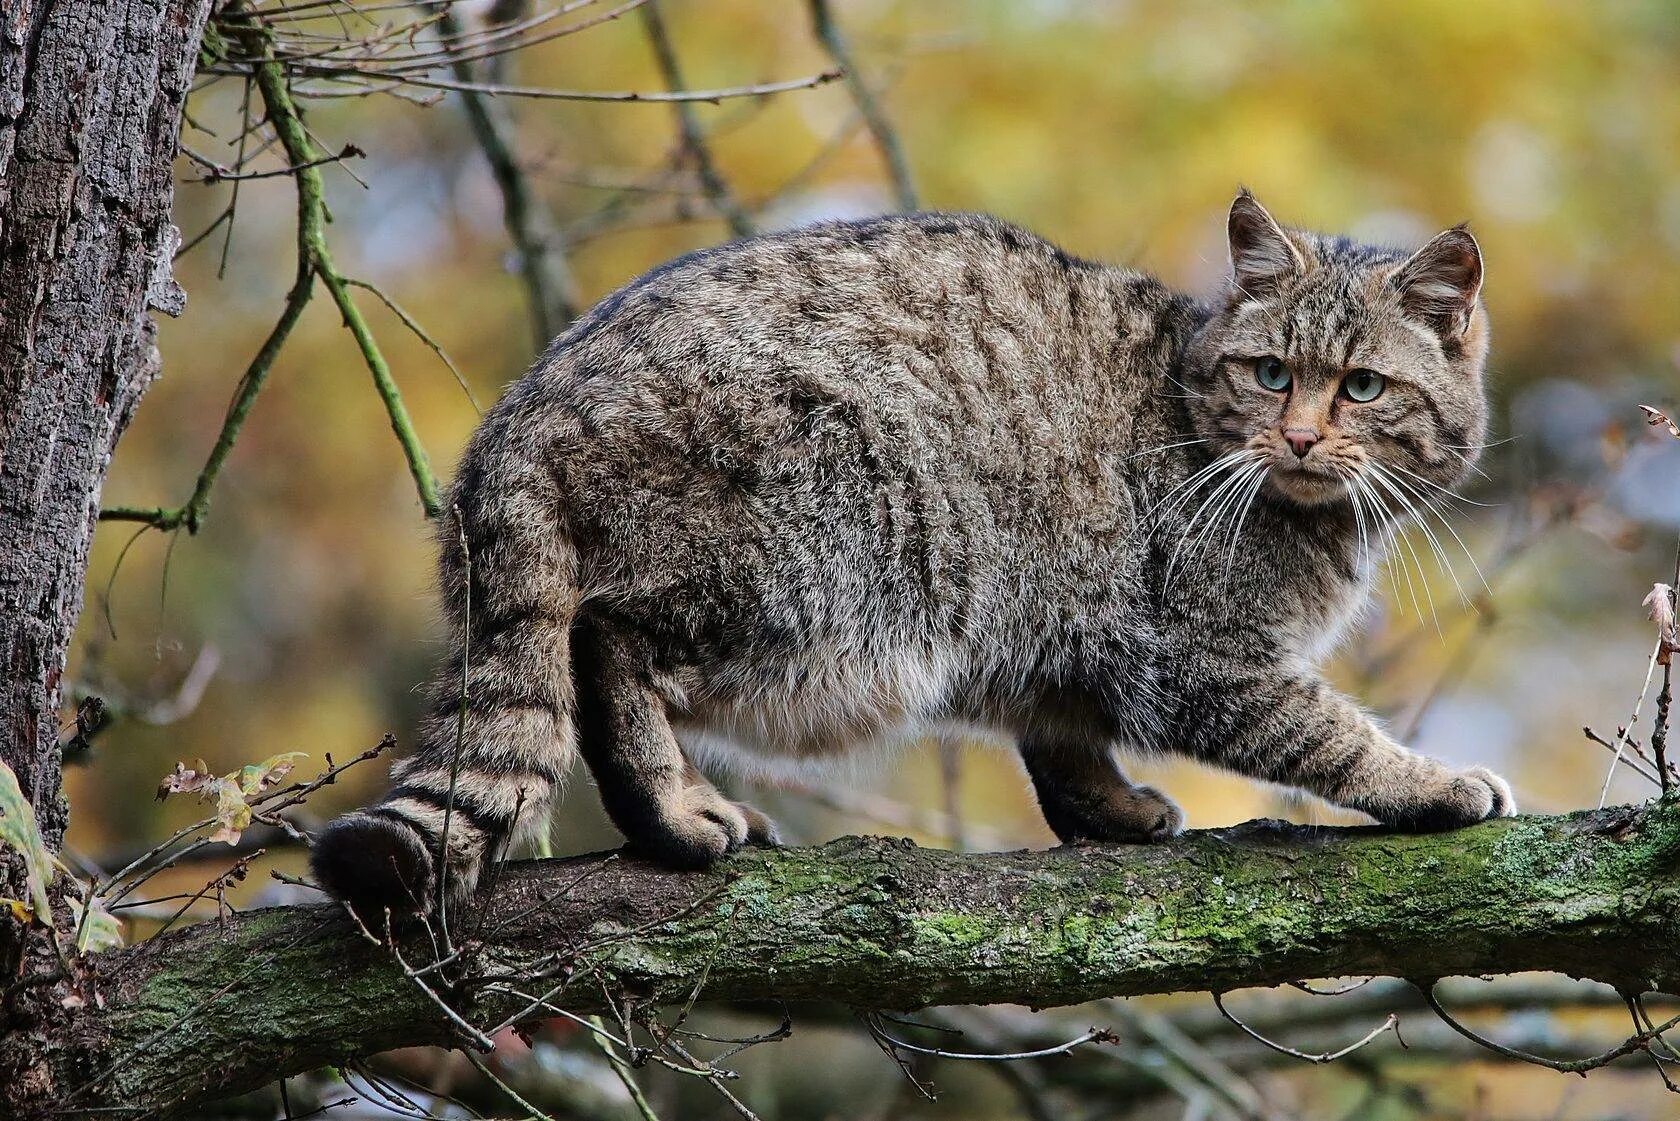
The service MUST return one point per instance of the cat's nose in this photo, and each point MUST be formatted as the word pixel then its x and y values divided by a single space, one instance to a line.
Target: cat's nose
pixel 1300 440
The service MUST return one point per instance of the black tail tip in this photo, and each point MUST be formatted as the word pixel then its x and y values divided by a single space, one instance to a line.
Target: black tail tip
pixel 375 864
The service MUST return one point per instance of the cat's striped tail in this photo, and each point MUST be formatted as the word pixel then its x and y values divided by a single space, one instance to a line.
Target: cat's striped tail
pixel 498 734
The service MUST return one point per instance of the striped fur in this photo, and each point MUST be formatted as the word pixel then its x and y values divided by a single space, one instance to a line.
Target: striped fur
pixel 841 485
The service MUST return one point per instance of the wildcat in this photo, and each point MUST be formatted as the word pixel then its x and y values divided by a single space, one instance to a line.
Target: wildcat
pixel 840 484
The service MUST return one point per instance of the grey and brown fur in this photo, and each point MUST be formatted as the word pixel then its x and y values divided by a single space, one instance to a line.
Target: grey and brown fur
pixel 843 484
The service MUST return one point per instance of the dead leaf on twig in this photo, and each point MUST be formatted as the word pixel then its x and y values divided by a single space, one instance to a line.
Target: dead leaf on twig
pixel 185 779
pixel 1656 418
pixel 1660 609
pixel 231 792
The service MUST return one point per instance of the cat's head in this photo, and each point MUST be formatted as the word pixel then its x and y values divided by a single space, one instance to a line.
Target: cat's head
pixel 1330 364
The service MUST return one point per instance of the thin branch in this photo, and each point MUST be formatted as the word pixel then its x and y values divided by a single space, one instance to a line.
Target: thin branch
pixel 530 1110
pixel 1391 1024
pixel 1621 739
pixel 712 183
pixel 655 97
pixel 1626 761
pixel 300 148
pixel 420 333
pixel 875 118
pixel 551 291
pixel 1639 1041
pixel 626 1076
pixel 216 173
pixel 1093 1035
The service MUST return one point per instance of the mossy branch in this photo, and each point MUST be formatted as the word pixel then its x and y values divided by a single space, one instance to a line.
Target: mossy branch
pixel 225 1007
pixel 315 260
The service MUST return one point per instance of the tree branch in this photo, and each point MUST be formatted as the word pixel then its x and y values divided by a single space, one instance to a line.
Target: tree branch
pixel 712 182
pixel 550 288
pixel 226 1007
pixel 874 117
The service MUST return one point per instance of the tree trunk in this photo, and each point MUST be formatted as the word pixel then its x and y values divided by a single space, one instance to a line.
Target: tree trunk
pixel 228 1006
pixel 90 109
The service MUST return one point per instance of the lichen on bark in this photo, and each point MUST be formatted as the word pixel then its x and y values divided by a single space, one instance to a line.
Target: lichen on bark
pixel 877 923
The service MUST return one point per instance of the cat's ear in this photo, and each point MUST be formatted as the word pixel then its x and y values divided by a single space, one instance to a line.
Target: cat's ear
pixel 1262 256
pixel 1441 281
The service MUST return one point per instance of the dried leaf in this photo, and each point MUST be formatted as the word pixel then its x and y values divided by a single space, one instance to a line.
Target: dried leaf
pixel 1660 609
pixel 230 792
pixel 185 779
pixel 19 830
pixel 100 930
pixel 257 777
pixel 1656 418
pixel 19 910
pixel 233 813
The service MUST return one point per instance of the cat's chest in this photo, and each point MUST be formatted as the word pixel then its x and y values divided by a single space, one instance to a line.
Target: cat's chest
pixel 1297 578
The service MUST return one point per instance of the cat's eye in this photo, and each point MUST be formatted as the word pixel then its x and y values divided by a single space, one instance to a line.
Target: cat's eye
pixel 1363 385
pixel 1271 373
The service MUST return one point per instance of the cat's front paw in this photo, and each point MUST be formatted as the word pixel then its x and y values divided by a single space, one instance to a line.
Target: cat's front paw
pixel 1461 798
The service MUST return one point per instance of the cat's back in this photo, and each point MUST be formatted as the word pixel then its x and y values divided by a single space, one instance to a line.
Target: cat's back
pixel 919 401
pixel 911 324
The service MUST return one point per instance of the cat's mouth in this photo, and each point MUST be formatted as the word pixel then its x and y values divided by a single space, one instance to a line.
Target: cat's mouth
pixel 1306 484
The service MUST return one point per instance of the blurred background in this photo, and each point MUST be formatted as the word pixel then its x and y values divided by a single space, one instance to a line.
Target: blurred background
pixel 301 616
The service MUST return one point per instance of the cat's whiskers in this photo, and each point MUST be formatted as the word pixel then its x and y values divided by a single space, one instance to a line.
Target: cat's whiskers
pixel 1480 447
pixel 1433 485
pixel 1407 549
pixel 1222 494
pixel 1440 513
pixel 1162 448
pixel 1362 550
pixel 1398 487
pixel 1259 478
pixel 1396 557
pixel 1188 392
pixel 1185 491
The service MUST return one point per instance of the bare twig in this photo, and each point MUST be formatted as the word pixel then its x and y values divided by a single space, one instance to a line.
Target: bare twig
pixel 621 1068
pixel 1391 1024
pixel 1639 1041
pixel 551 291
pixel 653 97
pixel 421 333
pixel 1641 770
pixel 874 117
pixel 712 183
pixel 1621 739
pixel 1094 1035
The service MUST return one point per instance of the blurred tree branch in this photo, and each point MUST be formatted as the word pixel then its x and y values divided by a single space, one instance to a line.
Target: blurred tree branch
pixel 551 291
pixel 869 107
pixel 221 1008
pixel 712 184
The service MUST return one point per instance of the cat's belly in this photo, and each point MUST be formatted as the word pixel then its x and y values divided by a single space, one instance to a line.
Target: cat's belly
pixel 814 708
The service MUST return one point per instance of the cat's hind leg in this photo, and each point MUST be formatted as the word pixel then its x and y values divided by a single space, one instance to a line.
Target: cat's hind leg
pixel 1086 797
pixel 658 799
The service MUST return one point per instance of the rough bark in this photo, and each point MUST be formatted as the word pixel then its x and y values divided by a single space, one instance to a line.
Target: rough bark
pixel 90 106
pixel 224 1007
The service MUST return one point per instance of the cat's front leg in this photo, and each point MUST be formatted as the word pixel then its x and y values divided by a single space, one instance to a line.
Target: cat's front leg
pixel 1298 731
pixel 1086 797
